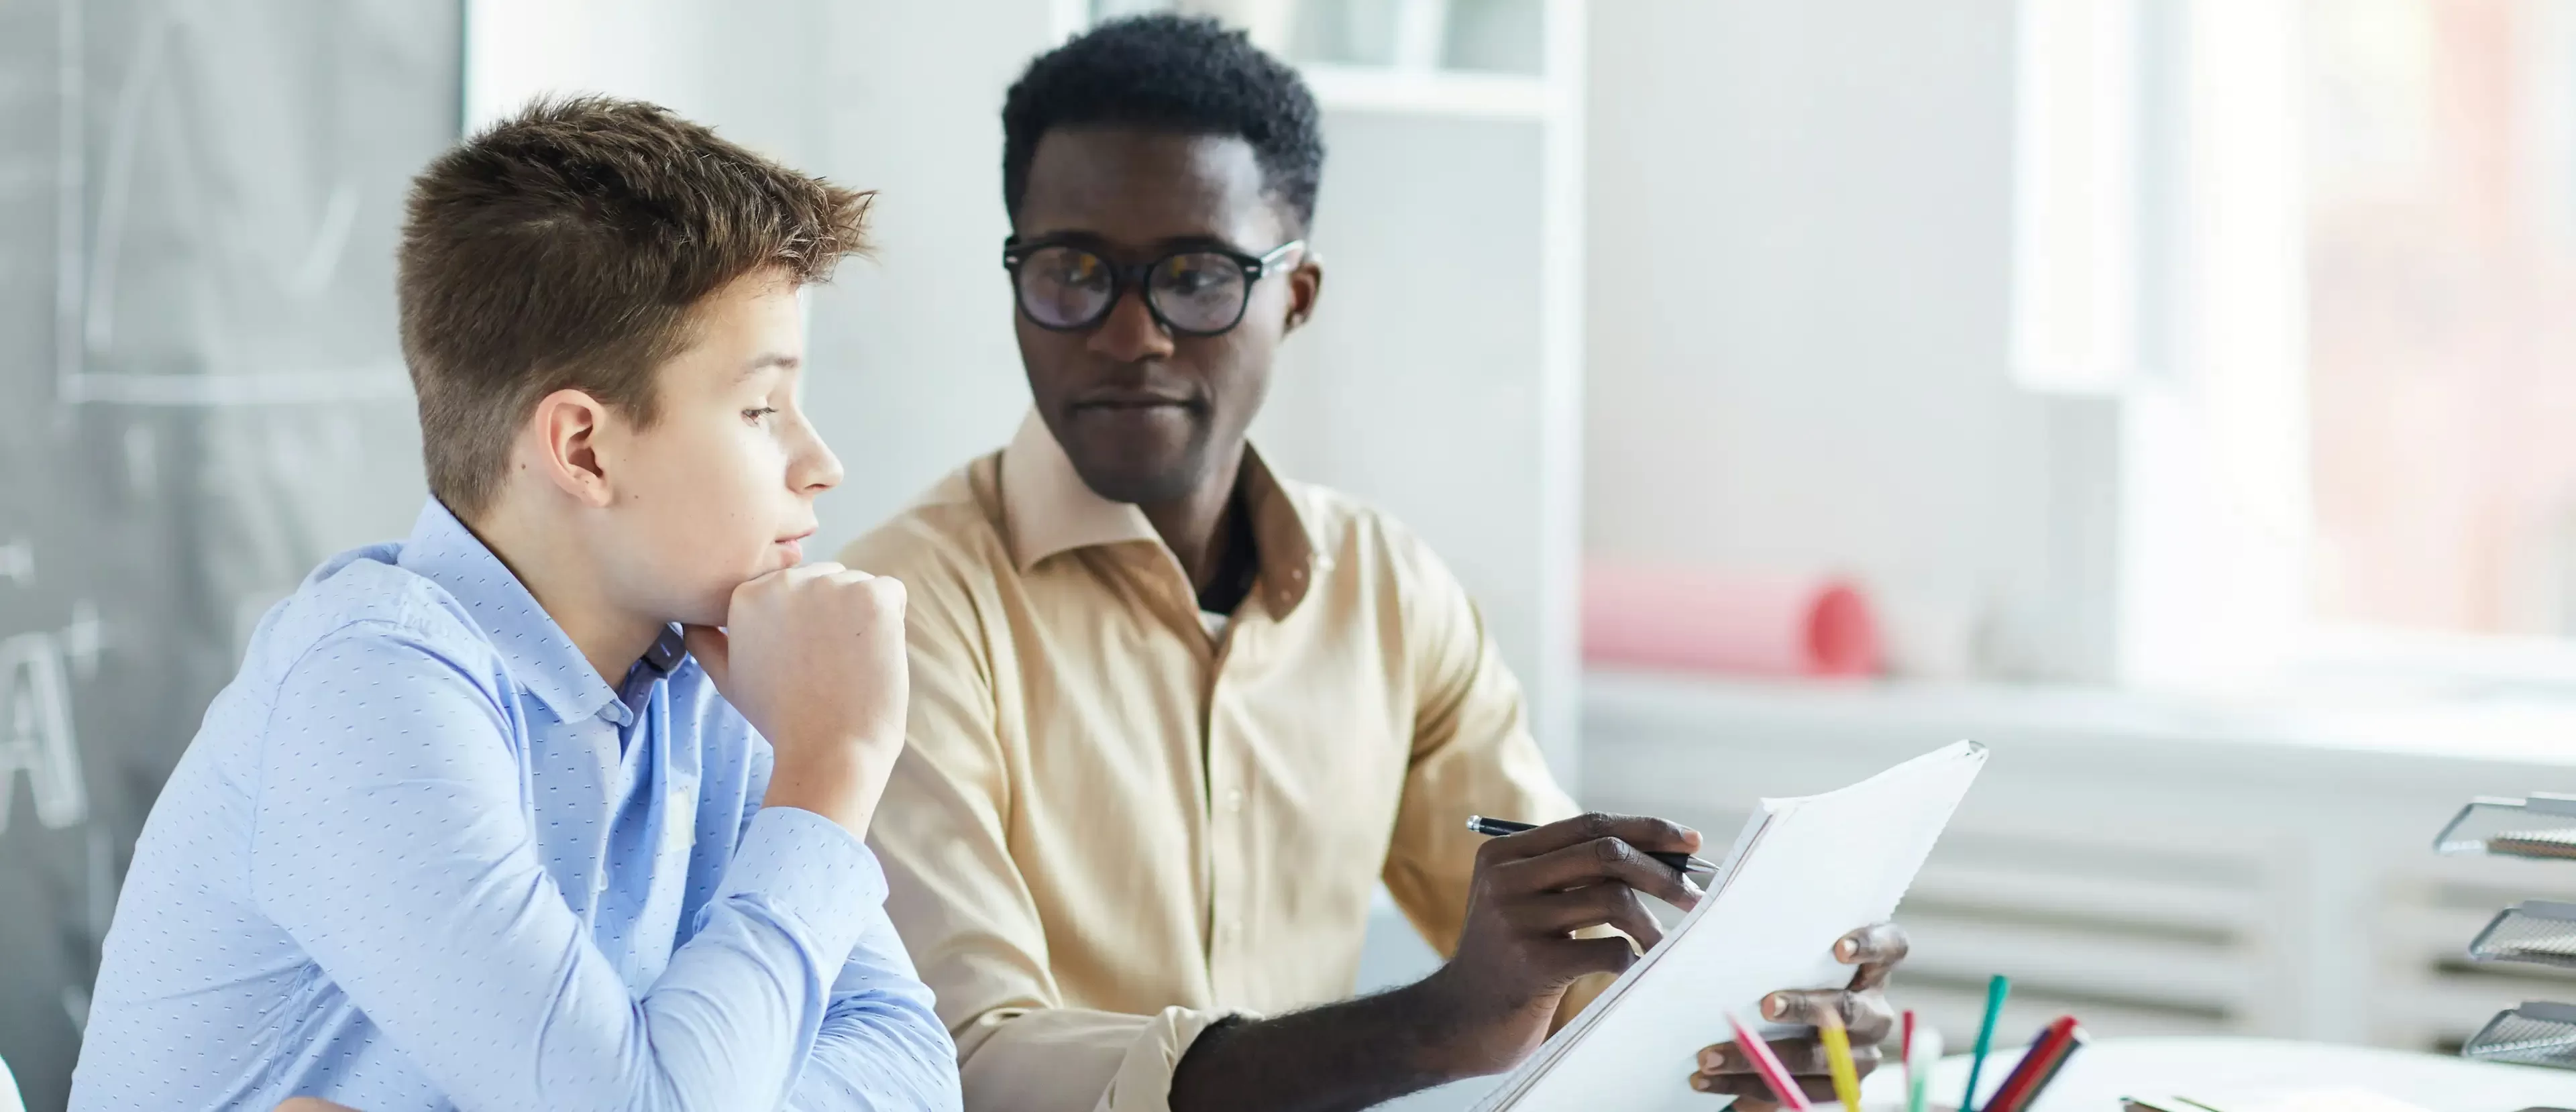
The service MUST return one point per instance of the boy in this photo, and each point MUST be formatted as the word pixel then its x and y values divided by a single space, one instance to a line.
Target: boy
pixel 479 825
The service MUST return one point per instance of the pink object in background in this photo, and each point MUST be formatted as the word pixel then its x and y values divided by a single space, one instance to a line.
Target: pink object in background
pixel 1735 623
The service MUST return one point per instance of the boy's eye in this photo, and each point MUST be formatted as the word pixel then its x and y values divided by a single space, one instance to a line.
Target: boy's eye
pixel 754 415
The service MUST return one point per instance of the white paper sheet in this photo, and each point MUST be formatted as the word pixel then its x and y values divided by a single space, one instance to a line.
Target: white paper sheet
pixel 1804 873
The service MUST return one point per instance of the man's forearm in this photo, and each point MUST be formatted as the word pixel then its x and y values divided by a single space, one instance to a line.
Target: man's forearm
pixel 1348 1055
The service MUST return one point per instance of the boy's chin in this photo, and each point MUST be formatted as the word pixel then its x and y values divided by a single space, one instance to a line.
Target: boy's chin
pixel 707 602
pixel 706 613
pixel 708 606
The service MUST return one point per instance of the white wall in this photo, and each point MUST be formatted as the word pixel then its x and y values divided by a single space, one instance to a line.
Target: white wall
pixel 1798 280
pixel 926 375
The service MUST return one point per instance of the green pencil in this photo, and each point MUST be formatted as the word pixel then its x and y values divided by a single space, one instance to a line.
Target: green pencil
pixel 1996 990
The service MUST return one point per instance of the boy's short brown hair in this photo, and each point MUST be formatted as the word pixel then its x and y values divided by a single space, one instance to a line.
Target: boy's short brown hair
pixel 564 248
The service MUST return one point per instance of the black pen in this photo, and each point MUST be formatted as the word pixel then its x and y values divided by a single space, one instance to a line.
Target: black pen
pixel 1496 828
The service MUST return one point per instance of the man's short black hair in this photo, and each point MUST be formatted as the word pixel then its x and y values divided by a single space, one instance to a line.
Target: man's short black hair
pixel 1184 74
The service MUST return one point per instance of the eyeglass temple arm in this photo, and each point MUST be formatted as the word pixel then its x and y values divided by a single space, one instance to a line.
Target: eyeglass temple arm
pixel 1263 264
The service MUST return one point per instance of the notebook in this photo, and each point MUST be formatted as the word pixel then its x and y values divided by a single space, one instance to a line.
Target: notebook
pixel 1803 873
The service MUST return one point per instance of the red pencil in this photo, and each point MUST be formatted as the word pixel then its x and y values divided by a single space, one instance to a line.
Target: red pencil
pixel 2056 1043
pixel 1905 1051
pixel 1768 1065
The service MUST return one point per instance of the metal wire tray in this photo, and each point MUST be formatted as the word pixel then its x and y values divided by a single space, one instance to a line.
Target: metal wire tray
pixel 2536 932
pixel 2538 1033
pixel 2540 826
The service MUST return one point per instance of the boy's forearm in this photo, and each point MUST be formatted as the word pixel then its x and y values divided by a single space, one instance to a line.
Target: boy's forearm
pixel 864 1045
pixel 834 782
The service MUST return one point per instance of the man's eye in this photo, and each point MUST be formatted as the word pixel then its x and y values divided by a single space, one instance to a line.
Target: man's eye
pixel 754 415
pixel 1195 274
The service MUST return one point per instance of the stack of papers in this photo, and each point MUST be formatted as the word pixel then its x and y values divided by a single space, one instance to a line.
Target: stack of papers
pixel 2314 1100
pixel 1803 873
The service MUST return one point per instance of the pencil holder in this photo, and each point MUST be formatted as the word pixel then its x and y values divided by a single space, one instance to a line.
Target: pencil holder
pixel 2536 1034
pixel 2537 932
pixel 2541 825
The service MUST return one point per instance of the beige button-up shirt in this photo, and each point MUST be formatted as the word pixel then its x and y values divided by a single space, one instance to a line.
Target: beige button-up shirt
pixel 1110 829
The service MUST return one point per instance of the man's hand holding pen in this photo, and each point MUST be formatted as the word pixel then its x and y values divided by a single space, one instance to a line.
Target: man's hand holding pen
pixel 1519 952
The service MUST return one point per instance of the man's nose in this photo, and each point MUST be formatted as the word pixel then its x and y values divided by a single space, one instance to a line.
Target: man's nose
pixel 1130 334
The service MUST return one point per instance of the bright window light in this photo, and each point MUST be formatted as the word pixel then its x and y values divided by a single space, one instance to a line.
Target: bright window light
pixel 2441 259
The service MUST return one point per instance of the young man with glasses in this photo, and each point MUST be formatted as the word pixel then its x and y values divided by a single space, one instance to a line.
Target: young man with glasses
pixel 1174 717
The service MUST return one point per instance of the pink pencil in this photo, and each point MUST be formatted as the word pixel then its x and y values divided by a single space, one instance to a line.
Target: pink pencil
pixel 1768 1065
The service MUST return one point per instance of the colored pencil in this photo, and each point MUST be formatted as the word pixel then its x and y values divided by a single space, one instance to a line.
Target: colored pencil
pixel 1905 1050
pixel 2048 1053
pixel 1918 1070
pixel 1768 1066
pixel 1996 990
pixel 1838 1061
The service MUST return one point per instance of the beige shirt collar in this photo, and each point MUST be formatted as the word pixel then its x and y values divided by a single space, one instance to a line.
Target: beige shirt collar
pixel 1047 509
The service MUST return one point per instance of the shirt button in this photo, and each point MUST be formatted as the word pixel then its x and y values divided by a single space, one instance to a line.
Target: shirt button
pixel 599 884
pixel 1234 800
pixel 1234 928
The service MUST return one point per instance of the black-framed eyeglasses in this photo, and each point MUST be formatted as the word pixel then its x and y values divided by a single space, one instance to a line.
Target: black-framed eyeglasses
pixel 1198 292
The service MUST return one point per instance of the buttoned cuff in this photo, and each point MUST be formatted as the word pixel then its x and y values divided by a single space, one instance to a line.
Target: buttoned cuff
pixel 1143 1082
pixel 810 874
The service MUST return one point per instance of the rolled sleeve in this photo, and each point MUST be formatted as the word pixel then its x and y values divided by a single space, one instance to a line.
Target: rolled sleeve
pixel 1143 1082
pixel 1076 1059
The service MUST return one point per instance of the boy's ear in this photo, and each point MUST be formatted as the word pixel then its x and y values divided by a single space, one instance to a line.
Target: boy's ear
pixel 566 428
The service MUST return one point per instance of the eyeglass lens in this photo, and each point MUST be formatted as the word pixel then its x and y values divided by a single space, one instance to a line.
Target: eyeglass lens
pixel 1195 291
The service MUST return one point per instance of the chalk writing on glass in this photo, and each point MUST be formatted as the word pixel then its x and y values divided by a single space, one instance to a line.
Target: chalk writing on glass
pixel 36 732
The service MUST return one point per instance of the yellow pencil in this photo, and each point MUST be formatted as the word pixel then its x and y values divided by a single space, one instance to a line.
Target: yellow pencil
pixel 1838 1059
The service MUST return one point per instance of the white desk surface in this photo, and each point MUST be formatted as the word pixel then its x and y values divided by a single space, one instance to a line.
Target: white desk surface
pixel 2216 1070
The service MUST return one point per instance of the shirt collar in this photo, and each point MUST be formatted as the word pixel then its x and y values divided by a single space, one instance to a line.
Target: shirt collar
pixel 1047 510
pixel 543 660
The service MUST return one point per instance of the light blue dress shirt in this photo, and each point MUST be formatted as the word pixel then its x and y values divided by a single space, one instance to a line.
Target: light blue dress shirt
pixel 420 856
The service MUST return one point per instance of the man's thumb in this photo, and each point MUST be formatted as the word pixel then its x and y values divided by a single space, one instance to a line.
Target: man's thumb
pixel 713 652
